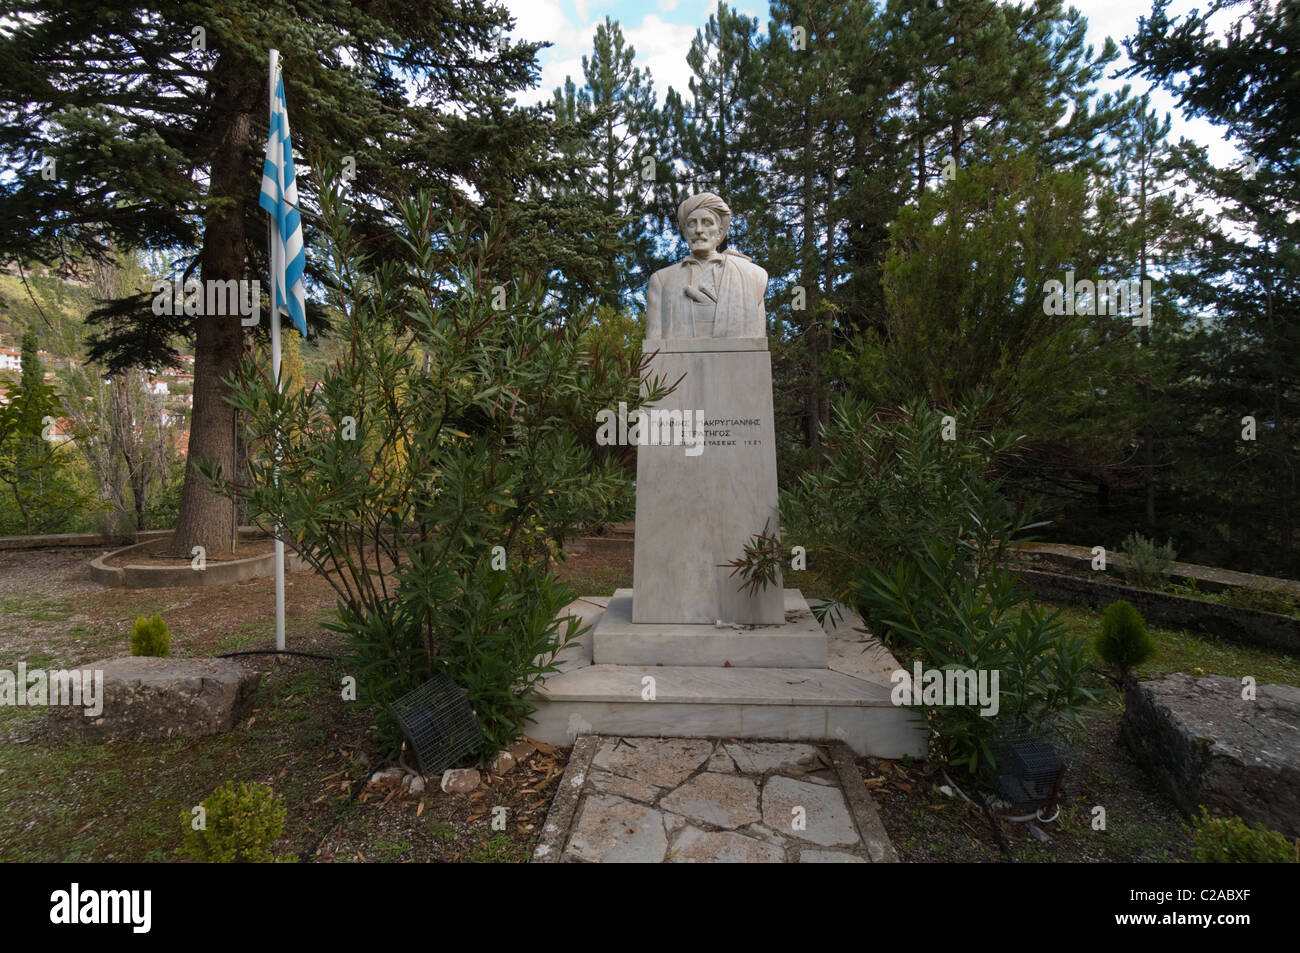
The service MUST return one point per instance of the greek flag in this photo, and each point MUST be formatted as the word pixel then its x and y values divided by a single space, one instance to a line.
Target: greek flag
pixel 280 199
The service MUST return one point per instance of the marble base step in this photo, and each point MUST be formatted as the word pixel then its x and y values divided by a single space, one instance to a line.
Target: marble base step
pixel 797 643
pixel 848 699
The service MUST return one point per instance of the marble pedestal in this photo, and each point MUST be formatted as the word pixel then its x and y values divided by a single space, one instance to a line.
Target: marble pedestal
pixel 797 642
pixel 695 513
pixel 846 698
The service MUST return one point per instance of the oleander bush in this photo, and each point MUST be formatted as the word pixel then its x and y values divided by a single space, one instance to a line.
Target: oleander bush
pixel 433 478
pixel 906 523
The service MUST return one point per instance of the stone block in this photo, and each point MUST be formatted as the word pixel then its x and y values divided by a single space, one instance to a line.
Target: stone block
pixel 797 642
pixel 146 699
pixel 696 512
pixel 1206 745
pixel 612 830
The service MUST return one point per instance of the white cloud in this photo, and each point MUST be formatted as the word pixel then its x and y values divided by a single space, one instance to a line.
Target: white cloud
pixel 1118 19
pixel 662 47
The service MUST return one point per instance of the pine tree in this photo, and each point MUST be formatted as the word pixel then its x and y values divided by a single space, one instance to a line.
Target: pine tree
pixel 714 133
pixel 828 153
pixel 150 126
pixel 1240 349
pixel 617 105
pixel 32 466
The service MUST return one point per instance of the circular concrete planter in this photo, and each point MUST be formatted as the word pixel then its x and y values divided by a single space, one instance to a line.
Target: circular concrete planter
pixel 214 573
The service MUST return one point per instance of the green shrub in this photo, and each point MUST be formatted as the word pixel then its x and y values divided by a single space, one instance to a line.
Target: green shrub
pixel 240 825
pixel 1262 600
pixel 438 520
pixel 150 637
pixel 912 531
pixel 1231 841
pixel 1123 642
pixel 1146 564
pixel 954 621
pixel 891 486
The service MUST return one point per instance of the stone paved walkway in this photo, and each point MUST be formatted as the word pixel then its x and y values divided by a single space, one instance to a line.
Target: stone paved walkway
pixel 691 800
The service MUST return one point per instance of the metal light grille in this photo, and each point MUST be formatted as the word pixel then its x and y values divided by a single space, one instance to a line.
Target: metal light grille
pixel 1030 770
pixel 438 724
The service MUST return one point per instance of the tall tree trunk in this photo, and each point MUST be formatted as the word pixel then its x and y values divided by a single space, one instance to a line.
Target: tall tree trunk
pixel 204 518
pixel 139 476
pixel 1281 432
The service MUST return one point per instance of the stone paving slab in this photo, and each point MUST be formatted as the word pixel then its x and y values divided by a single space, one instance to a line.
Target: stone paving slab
pixel 694 800
pixel 724 800
pixel 661 762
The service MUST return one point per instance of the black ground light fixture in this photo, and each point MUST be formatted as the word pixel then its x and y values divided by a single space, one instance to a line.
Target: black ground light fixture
pixel 1030 769
pixel 438 724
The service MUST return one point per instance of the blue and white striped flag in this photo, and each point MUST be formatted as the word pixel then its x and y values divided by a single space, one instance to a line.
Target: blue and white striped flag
pixel 280 199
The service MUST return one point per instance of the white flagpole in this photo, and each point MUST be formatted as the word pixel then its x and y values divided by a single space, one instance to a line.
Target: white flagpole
pixel 277 269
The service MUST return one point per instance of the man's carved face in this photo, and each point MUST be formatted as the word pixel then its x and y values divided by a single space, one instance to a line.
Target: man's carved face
pixel 703 232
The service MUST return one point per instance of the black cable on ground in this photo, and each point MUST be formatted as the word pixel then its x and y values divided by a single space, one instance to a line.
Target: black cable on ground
pixel 997 830
pixel 306 856
pixel 328 658
pixel 357 788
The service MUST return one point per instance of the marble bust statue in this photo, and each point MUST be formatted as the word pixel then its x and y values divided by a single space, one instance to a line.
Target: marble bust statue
pixel 709 294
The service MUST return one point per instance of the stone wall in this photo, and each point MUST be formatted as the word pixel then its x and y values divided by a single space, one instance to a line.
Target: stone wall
pixel 1247 626
pixel 1207 745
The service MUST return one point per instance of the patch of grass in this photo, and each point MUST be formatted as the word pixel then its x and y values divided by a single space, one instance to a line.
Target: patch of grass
pixel 315 736
pixel 34 660
pixel 497 849
pixel 89 641
pixel 249 635
pixel 19 719
pixel 37 608
pixel 442 830
pixel 388 851
pixel 1182 651
pixel 598 580
pixel 75 800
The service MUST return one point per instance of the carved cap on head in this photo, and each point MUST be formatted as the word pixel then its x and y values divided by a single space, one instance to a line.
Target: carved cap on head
pixel 709 201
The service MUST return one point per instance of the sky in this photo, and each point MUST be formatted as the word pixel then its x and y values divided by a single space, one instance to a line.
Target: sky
pixel 661 32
